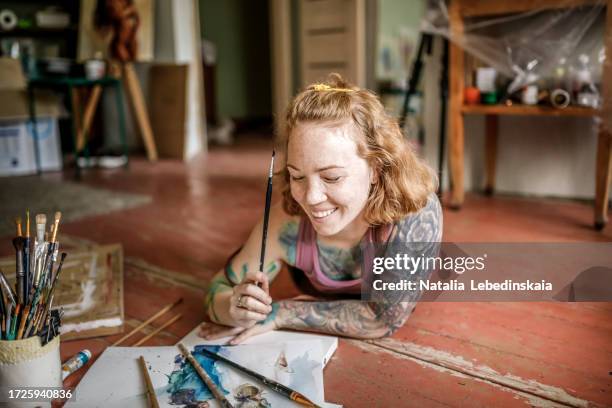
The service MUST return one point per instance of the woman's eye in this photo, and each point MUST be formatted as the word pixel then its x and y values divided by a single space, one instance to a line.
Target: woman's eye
pixel 295 178
pixel 332 179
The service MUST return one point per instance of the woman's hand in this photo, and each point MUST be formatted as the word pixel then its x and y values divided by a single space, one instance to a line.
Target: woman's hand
pixel 211 331
pixel 250 303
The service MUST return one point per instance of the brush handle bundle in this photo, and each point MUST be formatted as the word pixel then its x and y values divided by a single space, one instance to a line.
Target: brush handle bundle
pixel 26 310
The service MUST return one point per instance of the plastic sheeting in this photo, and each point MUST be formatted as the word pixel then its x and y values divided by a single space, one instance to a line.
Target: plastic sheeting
pixel 561 48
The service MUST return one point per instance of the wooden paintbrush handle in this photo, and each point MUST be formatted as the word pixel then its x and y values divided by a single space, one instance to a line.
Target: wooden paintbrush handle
pixel 150 390
pixel 204 376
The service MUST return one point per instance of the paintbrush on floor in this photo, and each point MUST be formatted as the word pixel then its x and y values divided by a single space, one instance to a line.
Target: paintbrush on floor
pixel 276 386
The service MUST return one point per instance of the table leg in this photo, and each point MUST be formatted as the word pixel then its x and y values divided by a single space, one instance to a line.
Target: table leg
pixel 32 103
pixel 455 121
pixel 76 112
pixel 77 173
pixel 491 130
pixel 121 121
pixel 602 180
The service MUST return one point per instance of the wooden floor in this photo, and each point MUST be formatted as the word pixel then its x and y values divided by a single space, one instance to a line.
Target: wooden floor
pixel 447 354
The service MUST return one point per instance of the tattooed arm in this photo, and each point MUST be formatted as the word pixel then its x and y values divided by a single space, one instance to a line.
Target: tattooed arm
pixel 236 282
pixel 353 318
pixel 348 318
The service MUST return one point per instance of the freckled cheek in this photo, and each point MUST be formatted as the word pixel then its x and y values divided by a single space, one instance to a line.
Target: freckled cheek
pixel 297 192
pixel 348 195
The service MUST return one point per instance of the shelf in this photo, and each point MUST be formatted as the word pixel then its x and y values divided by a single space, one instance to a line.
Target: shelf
pixel 527 110
pixel 39 32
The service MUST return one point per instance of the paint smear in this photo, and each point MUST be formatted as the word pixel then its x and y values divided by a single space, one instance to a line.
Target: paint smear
pixel 185 386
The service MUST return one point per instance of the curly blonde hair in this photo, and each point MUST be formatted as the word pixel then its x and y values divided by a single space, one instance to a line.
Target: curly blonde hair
pixel 404 182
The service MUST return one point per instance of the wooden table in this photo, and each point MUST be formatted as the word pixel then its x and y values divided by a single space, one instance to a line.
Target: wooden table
pixel 460 9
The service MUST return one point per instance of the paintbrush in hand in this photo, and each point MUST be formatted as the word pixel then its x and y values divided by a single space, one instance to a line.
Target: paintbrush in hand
pixel 264 235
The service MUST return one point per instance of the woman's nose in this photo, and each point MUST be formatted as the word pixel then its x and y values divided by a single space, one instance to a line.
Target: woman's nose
pixel 315 193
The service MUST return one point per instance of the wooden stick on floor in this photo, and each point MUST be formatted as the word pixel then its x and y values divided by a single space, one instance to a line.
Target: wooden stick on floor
pixel 150 390
pixel 149 320
pixel 154 332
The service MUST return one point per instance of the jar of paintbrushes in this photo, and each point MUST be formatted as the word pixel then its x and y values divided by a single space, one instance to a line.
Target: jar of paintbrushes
pixel 29 326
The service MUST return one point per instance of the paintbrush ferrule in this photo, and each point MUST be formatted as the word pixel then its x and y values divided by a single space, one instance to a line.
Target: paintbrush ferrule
pixel 41 225
pixel 19 245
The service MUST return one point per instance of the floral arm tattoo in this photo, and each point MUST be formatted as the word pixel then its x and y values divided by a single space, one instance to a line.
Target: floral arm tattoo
pixel 352 318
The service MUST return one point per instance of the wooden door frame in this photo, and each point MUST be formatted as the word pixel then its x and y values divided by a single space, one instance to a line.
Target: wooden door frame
pixel 280 55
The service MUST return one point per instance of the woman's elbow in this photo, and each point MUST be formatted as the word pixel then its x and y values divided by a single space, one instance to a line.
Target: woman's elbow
pixel 381 330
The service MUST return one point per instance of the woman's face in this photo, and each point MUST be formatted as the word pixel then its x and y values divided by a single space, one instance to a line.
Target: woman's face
pixel 328 178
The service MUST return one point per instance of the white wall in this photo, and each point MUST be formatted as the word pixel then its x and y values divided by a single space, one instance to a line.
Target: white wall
pixel 178 41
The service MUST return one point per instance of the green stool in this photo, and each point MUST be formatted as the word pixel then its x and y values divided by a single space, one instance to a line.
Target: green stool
pixel 70 84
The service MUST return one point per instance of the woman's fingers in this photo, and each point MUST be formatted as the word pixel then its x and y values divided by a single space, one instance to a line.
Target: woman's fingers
pixel 255 305
pixel 259 279
pixel 244 314
pixel 253 291
pixel 250 332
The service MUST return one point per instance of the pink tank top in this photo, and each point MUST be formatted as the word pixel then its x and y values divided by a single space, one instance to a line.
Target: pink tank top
pixel 307 259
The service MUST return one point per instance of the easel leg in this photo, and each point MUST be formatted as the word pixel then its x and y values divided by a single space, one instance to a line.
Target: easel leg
pixel 491 129
pixel 121 122
pixel 90 109
pixel 602 180
pixel 32 105
pixel 142 117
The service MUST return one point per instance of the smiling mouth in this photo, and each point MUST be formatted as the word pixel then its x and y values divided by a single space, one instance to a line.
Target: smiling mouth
pixel 319 215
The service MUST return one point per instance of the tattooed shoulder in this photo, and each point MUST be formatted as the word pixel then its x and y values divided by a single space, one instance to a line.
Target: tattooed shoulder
pixel 424 225
pixel 288 239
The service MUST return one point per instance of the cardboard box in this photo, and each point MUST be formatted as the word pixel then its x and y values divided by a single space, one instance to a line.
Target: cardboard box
pixel 17 150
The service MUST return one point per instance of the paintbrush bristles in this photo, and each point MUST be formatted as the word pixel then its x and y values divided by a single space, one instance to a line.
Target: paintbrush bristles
pixel 270 174
pixel 58 216
pixel 41 225
pixel 18 225
pixel 27 229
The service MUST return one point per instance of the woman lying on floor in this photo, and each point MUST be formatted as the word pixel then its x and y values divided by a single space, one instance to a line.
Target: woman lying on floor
pixel 350 179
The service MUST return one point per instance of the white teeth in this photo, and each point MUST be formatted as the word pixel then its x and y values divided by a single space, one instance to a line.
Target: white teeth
pixel 322 214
